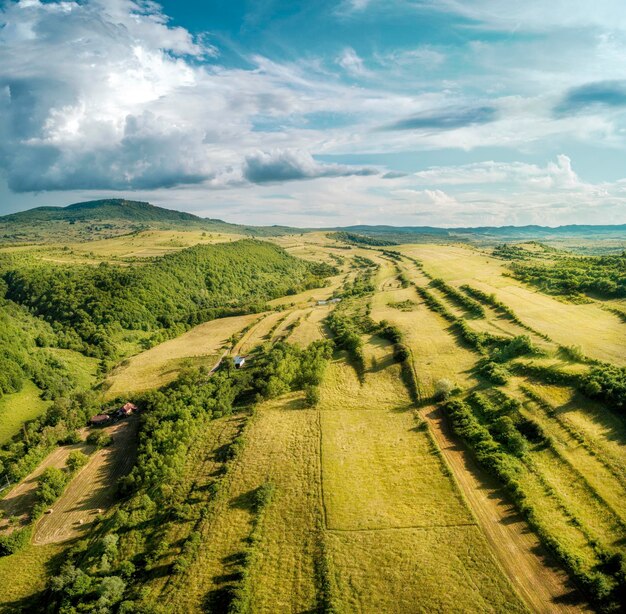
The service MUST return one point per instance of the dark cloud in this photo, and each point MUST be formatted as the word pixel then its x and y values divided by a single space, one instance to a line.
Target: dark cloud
pixel 291 165
pixel 445 119
pixel 596 94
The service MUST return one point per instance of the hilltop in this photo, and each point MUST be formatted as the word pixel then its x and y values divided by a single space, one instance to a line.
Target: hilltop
pixel 106 218
pixel 99 210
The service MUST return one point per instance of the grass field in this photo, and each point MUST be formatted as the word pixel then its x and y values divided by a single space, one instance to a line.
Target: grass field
pixel 159 365
pixel 20 499
pixel 376 504
pixel 392 507
pixel 19 407
pixel 92 490
pixel 598 332
pixel 25 575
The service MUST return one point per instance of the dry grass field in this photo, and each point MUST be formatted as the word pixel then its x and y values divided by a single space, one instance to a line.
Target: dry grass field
pixel 92 490
pixel 161 364
pixel 393 509
pixel 600 334
pixel 20 499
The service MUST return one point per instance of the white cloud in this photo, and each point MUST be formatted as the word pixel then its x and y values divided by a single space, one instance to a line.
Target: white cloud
pixel 350 61
pixel 555 175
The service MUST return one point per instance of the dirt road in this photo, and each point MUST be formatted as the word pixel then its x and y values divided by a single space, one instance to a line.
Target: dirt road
pixel 544 586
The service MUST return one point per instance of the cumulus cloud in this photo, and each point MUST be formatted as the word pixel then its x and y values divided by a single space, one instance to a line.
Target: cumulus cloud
pixel 107 95
pixel 289 165
pixel 445 119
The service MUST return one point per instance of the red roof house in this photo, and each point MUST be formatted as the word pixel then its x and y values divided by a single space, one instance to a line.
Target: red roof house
pixel 128 409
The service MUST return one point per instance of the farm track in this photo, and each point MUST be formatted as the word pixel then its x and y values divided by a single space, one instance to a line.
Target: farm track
pixel 91 491
pixel 544 587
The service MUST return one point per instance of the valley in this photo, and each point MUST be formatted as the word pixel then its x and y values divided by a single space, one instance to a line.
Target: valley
pixel 444 436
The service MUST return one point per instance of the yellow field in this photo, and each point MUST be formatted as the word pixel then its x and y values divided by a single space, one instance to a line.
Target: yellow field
pixel 281 446
pixel 92 490
pixel 147 244
pixel 392 509
pixel 311 326
pixel 434 570
pixel 599 333
pixel 373 482
pixel 437 354
pixel 162 363
pixel 20 499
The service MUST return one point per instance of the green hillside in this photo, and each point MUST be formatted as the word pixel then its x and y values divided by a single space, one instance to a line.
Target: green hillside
pixel 86 304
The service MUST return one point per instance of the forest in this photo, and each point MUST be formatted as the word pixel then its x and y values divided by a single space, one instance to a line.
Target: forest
pixel 84 304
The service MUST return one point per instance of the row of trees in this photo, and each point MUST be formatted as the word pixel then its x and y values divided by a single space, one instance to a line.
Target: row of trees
pixel 114 565
pixel 604 276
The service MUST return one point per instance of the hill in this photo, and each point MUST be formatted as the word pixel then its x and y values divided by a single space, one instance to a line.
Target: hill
pixel 100 210
pixel 102 219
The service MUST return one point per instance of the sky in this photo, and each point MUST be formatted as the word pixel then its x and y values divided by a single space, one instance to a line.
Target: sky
pixel 324 113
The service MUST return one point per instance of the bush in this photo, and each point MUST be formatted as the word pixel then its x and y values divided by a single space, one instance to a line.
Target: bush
pixel 443 390
pixel 15 541
pixel 100 439
pixel 498 374
pixel 76 460
pixel 50 485
pixel 312 395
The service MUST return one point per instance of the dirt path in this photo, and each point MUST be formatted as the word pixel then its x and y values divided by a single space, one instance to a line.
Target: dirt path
pixel 92 490
pixel 543 585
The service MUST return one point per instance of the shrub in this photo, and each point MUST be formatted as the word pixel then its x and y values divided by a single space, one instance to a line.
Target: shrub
pixel 496 373
pixel 15 541
pixel 50 485
pixel 443 389
pixel 76 460
pixel 100 439
pixel 312 395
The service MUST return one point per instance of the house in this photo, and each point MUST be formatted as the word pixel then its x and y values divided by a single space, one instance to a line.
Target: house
pixel 100 419
pixel 126 410
pixel 239 361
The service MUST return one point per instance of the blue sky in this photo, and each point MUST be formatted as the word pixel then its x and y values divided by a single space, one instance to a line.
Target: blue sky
pixel 408 112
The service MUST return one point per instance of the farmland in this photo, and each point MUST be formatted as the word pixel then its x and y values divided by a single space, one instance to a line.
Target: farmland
pixel 446 452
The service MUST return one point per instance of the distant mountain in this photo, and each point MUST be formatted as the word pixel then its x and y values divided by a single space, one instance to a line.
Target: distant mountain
pixel 571 230
pixel 100 210
pixel 100 218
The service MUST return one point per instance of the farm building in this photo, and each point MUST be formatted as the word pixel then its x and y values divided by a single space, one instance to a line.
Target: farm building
pixel 335 300
pixel 100 419
pixel 322 302
pixel 127 410
pixel 239 361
